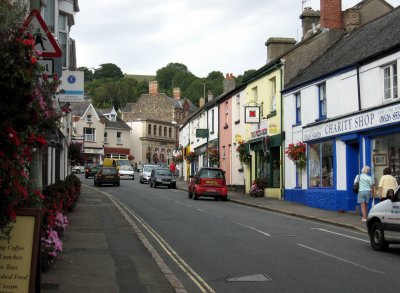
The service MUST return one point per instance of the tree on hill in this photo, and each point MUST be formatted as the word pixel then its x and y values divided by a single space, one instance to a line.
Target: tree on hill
pixel 108 70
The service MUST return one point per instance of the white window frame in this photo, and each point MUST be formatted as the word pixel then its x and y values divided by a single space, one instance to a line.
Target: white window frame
pixel 322 101
pixel 63 36
pixel 238 107
pixel 90 135
pixel 119 137
pixel 105 137
pixel 297 97
pixel 390 82
pixel 273 94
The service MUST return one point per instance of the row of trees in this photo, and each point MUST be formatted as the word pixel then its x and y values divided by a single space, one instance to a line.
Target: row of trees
pixel 107 85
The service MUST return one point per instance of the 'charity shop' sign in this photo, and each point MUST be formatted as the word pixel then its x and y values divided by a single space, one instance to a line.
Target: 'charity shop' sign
pixel 366 120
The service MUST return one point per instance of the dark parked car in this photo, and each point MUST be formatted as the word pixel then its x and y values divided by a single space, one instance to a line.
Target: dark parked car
pixel 91 169
pixel 107 175
pixel 162 177
pixel 208 182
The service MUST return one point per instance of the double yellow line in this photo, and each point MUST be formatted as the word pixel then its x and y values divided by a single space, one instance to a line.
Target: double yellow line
pixel 130 216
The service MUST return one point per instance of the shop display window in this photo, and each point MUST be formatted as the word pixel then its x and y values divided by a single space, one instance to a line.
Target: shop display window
pixel 386 153
pixel 320 164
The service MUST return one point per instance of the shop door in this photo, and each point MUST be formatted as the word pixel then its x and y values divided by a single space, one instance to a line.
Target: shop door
pixel 352 163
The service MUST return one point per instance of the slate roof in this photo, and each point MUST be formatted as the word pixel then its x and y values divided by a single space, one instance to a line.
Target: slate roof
pixel 118 124
pixel 78 109
pixel 375 38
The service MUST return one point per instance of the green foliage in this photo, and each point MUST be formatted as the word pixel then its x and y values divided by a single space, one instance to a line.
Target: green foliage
pixel 106 86
pixel 108 70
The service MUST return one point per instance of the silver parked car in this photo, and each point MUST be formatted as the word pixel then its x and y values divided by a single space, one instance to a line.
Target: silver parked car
pixel 144 176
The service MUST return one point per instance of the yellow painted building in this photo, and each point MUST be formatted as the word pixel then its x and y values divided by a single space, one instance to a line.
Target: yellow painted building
pixel 265 137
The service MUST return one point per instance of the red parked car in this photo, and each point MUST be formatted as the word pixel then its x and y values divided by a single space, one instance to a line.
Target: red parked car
pixel 208 182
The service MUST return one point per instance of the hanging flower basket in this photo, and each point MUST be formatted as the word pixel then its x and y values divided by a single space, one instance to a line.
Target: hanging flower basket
pixel 190 157
pixel 297 154
pixel 213 156
pixel 244 155
pixel 178 159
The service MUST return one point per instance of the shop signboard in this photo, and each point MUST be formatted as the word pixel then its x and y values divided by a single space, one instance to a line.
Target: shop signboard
pixel 201 133
pixel 252 114
pixel 19 252
pixel 354 123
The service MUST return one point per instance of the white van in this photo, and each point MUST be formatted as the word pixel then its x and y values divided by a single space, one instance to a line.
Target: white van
pixel 384 223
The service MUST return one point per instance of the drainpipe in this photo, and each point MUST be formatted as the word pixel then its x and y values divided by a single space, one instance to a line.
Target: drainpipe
pixel 358 87
pixel 282 143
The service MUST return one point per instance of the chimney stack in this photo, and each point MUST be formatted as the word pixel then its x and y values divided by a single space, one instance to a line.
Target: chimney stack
pixel 177 93
pixel 202 102
pixel 153 87
pixel 331 14
pixel 278 46
pixel 229 82
pixel 210 96
pixel 309 20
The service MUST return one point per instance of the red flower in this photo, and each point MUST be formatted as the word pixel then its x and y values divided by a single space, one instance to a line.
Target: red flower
pixel 41 140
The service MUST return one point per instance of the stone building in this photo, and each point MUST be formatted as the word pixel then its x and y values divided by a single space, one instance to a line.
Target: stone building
pixel 154 120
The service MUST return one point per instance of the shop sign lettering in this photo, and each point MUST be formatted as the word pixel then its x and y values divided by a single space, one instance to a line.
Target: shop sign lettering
pixel 259 132
pixel 375 118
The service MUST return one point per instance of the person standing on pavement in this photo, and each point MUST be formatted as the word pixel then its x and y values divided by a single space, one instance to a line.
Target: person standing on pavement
pixel 365 191
pixel 172 167
pixel 386 183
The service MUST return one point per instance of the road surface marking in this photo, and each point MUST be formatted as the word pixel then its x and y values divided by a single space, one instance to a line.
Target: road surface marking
pixel 341 259
pixel 252 228
pixel 343 235
pixel 178 286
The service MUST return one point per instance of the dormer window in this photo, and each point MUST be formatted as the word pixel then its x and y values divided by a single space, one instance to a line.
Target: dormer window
pixel 113 117
pixel 89 118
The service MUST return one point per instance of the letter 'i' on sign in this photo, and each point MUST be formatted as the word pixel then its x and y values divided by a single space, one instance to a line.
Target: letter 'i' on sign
pixel 45 44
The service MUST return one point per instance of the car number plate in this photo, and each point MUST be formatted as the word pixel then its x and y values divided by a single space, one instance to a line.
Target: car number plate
pixel 211 190
pixel 211 182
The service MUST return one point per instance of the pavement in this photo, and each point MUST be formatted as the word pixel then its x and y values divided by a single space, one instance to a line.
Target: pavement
pixel 103 253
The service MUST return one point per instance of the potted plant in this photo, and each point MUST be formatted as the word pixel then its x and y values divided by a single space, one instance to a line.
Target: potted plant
pixel 178 159
pixel 257 187
pixel 213 156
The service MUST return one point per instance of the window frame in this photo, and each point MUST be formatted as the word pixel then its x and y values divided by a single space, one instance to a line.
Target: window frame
pixel 273 95
pixel 119 137
pixel 105 137
pixel 392 91
pixel 322 102
pixel 88 135
pixel 297 97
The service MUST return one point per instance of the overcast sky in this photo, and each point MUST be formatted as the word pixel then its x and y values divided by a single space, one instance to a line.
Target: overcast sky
pixel 142 36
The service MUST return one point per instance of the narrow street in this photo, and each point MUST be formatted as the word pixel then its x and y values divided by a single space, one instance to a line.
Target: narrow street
pixel 215 246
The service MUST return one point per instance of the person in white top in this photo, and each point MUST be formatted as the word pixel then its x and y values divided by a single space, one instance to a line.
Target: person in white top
pixel 386 183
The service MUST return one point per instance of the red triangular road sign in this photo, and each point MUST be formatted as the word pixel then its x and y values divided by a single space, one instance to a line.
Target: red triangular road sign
pixel 45 44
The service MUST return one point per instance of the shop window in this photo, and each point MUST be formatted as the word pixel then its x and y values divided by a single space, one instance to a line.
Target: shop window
pixel 322 100
pixel 386 154
pixel 320 164
pixel 298 108
pixel 299 177
pixel 269 166
pixel 390 84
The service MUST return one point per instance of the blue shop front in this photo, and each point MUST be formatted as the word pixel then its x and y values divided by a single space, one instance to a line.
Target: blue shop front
pixel 337 149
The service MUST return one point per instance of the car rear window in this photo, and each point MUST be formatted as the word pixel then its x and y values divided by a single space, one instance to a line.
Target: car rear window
pixel 109 171
pixel 211 174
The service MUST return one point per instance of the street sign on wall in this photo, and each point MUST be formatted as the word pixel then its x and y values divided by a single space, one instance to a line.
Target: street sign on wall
pixel 202 133
pixel 72 86
pixel 252 114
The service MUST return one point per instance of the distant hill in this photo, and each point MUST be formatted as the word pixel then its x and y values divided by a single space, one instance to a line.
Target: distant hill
pixel 140 78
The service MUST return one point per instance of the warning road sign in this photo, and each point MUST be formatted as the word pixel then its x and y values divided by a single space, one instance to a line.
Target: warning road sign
pixel 45 44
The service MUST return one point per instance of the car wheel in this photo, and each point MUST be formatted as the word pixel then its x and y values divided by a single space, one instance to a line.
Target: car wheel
pixel 118 184
pixel 189 194
pixel 195 197
pixel 86 176
pixel 133 178
pixel 151 184
pixel 155 185
pixel 173 186
pixel 377 237
pixel 94 182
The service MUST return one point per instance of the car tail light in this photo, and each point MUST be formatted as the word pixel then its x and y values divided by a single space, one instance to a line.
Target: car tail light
pixel 99 175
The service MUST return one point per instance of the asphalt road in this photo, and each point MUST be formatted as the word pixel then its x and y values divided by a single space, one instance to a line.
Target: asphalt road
pixel 215 246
